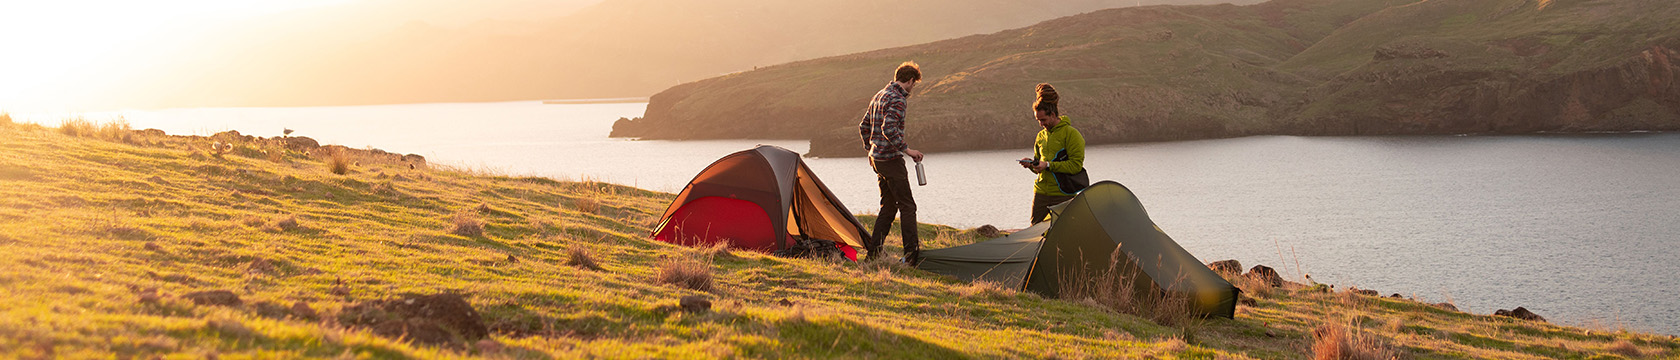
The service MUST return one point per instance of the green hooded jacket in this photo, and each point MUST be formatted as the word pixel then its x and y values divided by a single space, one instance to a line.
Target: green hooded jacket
pixel 1065 148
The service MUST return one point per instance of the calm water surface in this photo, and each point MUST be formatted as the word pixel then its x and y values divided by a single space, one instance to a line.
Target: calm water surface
pixel 1580 229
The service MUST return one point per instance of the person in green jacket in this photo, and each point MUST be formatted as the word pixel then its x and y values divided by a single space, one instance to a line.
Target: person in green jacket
pixel 1058 156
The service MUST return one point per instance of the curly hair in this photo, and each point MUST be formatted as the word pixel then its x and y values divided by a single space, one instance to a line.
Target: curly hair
pixel 1047 100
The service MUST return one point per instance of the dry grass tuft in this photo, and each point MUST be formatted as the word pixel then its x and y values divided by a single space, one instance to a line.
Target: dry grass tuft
pixel 986 289
pixel 284 223
pixel 581 257
pixel 882 265
pixel 1350 297
pixel 5 118
pixel 714 251
pixel 76 126
pixel 338 161
pixel 587 205
pixel 1335 341
pixel 1116 289
pixel 1624 348
pixel 1112 335
pixel 115 130
pixel 686 273
pixel 1253 286
pixel 467 223
pixel 1172 344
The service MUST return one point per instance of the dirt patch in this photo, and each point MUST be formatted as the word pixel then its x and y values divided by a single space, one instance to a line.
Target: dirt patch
pixel 214 297
pixel 441 319
pixel 695 304
pixel 260 266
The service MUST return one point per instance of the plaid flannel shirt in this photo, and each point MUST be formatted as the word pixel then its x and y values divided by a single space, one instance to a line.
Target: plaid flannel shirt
pixel 882 128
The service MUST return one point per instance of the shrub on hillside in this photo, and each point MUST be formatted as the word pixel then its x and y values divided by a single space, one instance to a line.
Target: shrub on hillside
pixel 285 223
pixel 338 162
pixel 581 257
pixel 686 273
pixel 467 223
pixel 587 205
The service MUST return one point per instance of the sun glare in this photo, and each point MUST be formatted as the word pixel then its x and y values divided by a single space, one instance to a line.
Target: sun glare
pixel 60 44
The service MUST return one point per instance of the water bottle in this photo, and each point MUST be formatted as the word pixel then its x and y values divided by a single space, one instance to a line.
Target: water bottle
pixel 921 175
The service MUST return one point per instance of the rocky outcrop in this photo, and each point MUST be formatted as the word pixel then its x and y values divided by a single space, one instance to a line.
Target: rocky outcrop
pixel 1265 274
pixel 1226 267
pixel 1520 313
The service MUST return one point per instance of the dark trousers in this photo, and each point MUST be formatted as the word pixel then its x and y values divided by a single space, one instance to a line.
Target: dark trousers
pixel 1042 204
pixel 896 201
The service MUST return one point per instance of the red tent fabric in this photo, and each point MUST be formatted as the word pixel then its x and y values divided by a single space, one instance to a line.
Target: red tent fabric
pixel 760 199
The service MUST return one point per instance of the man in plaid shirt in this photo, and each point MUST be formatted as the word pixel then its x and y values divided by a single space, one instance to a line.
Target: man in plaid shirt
pixel 882 132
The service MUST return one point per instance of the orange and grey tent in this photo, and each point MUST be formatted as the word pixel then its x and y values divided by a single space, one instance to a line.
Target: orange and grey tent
pixel 760 199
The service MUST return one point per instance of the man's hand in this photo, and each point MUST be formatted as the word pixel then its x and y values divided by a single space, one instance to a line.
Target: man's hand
pixel 914 155
pixel 1042 165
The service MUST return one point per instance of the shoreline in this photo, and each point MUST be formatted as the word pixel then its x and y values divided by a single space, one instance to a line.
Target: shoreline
pixel 627 100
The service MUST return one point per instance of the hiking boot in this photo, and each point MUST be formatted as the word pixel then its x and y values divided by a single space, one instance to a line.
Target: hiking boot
pixel 911 260
pixel 913 257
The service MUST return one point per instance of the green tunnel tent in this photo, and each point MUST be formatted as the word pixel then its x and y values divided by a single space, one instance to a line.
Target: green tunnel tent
pixel 1081 236
pixel 759 199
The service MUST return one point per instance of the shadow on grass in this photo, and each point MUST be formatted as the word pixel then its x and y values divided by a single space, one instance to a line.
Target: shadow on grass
pixel 841 338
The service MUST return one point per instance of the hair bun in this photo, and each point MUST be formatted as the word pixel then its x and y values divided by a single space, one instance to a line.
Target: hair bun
pixel 1047 99
pixel 1047 93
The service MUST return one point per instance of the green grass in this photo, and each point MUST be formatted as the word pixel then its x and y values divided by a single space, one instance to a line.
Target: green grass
pixel 89 226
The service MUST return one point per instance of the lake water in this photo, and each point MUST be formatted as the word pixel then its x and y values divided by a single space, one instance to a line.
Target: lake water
pixel 1580 229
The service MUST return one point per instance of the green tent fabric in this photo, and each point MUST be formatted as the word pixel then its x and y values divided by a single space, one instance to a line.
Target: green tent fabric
pixel 1082 236
pixel 1004 260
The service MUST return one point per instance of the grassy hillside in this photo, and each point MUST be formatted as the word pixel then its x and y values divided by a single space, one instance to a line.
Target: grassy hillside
pixel 111 238
pixel 1305 67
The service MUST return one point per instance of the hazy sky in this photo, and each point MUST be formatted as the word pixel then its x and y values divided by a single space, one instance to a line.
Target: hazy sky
pixel 51 50
pixel 71 56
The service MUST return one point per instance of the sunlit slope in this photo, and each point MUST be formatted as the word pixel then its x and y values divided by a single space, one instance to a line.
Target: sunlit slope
pixel 1308 67
pixel 110 240
pixel 1497 66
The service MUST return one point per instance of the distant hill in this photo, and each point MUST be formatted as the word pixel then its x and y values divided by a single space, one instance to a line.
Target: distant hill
pixel 1303 67
pixel 614 48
